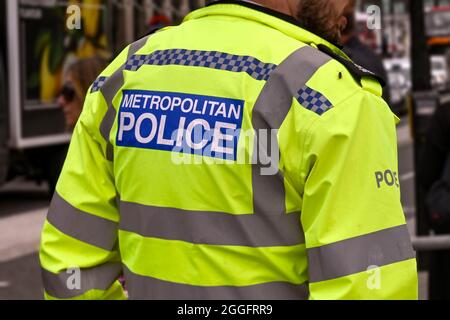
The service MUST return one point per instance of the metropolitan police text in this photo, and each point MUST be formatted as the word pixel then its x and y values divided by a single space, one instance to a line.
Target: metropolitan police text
pixel 187 124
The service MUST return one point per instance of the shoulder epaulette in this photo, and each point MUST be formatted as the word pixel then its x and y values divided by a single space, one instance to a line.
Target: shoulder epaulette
pixel 355 69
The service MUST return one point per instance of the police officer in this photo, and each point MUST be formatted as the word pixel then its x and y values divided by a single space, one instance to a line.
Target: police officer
pixel 240 155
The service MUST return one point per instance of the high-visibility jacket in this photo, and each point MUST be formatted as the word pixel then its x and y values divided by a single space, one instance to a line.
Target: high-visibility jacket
pixel 235 156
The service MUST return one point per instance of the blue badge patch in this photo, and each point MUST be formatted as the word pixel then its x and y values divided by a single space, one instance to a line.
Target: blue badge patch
pixel 179 122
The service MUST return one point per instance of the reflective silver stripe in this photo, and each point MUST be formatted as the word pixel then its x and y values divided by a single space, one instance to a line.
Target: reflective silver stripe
pixel 141 287
pixel 358 254
pixel 98 84
pixel 109 90
pixel 313 100
pixel 212 228
pixel 82 226
pixel 63 285
pixel 270 111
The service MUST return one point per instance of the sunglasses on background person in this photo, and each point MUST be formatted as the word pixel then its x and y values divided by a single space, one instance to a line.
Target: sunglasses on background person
pixel 68 93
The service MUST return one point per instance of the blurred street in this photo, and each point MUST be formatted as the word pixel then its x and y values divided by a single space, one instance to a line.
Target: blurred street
pixel 23 208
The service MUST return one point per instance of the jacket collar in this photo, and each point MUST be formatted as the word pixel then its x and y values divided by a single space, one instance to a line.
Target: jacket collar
pixel 274 19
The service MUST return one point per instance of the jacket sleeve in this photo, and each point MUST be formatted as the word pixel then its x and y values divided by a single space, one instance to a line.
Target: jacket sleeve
pixel 357 241
pixel 79 251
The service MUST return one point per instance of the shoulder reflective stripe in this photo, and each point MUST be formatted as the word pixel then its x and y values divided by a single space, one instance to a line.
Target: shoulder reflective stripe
pixel 195 58
pixel 136 46
pixel 212 228
pixel 109 90
pixel 207 59
pixel 82 226
pixel 269 112
pixel 358 254
pixel 141 287
pixel 313 100
pixel 100 278
pixel 275 100
pixel 98 84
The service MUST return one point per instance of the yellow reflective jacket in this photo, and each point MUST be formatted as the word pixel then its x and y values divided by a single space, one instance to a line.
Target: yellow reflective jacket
pixel 236 156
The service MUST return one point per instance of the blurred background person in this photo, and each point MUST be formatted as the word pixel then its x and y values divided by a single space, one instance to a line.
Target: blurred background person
pixel 433 171
pixel 158 21
pixel 78 78
pixel 361 53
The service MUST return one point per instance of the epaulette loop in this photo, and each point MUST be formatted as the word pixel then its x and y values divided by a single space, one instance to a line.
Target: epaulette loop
pixel 356 70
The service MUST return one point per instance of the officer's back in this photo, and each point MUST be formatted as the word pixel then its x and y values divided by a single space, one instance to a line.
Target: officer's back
pixel 231 158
